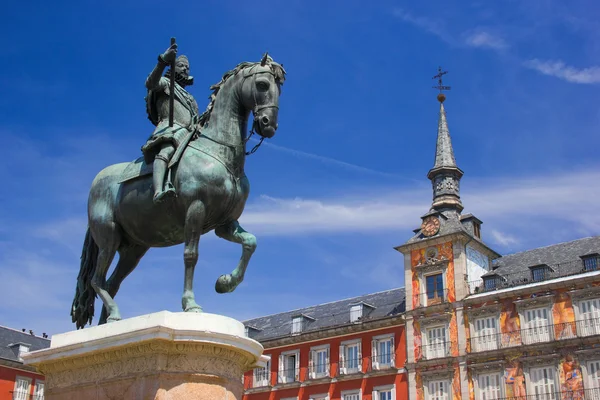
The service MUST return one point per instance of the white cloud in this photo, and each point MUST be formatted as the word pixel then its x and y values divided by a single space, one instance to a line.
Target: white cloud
pixel 429 25
pixel 503 238
pixel 568 73
pixel 483 39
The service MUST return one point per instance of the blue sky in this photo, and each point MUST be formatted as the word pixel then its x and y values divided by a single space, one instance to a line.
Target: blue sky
pixel 344 178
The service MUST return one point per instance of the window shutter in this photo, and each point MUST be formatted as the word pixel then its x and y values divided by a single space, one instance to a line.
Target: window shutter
pixel 374 359
pixel 280 368
pixel 297 366
pixel 360 356
pixel 311 364
pixel 393 353
pixel 327 362
pixel 342 366
pixel 375 395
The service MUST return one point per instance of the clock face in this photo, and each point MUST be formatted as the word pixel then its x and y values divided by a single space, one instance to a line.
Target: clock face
pixel 430 225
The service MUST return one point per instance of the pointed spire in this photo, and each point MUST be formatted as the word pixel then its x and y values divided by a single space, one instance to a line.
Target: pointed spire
pixel 445 174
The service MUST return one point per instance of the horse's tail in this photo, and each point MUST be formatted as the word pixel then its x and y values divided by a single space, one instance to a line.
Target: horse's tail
pixel 82 310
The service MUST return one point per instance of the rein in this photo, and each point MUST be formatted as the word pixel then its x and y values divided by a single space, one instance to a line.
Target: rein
pixel 254 112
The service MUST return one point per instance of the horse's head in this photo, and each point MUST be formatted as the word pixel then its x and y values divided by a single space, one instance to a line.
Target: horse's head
pixel 260 93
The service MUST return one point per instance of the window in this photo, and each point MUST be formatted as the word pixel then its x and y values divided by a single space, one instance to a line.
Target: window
pixel 289 367
pixel 589 317
pixel 539 273
pixel 593 378
pixel 590 263
pixel 537 327
pixel 382 352
pixel 490 386
pixel 38 392
pixel 262 376
pixel 437 346
pixel 297 324
pixel 351 395
pixel 318 363
pixel 437 390
pixel 477 230
pixel 486 334
pixel 543 382
pixel 356 312
pixel 384 393
pixel 350 357
pixel 435 288
pixel 319 397
pixel 22 388
pixel 489 283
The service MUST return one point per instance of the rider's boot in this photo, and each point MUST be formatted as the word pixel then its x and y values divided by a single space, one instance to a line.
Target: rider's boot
pixel 160 168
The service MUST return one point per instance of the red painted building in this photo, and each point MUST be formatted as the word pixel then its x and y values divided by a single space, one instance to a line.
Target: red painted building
pixel 18 381
pixel 352 349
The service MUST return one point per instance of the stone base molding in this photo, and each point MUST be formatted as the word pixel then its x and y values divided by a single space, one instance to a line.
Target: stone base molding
pixel 160 356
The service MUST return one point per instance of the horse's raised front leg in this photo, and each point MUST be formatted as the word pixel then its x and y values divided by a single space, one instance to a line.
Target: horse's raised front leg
pixel 194 222
pixel 235 233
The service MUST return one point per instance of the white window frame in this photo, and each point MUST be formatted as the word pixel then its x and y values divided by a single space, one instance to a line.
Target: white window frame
pixel 587 378
pixel 345 393
pixel 263 383
pixel 477 377
pixel 17 394
pixel 321 396
pixel 424 275
pixel 477 343
pixel 312 362
pixel 425 339
pixel 584 329
pixel 281 375
pixel 375 362
pixel 527 332
pixel 343 362
pixel 378 389
pixel 448 383
pixel 529 383
pixel 36 395
pixel 356 312
pixel 297 325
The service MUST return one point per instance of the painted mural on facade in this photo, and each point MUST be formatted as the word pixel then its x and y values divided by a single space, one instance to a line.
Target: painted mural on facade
pixel 419 383
pixel 453 331
pixel 563 317
pixel 418 341
pixel 509 324
pixel 419 257
pixel 477 265
pixel 514 378
pixel 456 383
pixel 570 376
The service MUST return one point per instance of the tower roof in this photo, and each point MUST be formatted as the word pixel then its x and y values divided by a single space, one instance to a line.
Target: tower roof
pixel 444 153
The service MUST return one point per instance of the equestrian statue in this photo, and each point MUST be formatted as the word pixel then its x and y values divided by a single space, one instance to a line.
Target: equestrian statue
pixel 189 181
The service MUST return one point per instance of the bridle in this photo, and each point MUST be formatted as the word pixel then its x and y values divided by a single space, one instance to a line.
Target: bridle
pixel 251 72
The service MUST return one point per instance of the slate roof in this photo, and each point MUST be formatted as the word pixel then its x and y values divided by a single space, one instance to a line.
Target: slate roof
pixel 329 315
pixel 10 336
pixel 444 153
pixel 563 259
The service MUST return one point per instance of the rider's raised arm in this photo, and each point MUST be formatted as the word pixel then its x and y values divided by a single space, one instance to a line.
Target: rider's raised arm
pixel 153 81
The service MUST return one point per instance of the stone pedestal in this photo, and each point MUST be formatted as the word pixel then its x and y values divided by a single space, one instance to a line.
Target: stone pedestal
pixel 162 356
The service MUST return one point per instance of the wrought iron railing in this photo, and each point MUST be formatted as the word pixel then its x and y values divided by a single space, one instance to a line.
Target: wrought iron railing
pixel 288 375
pixel 436 350
pixel 261 378
pixel 580 394
pixel 561 270
pixel 318 370
pixel 351 366
pixel 534 335
pixel 430 298
pixel 381 362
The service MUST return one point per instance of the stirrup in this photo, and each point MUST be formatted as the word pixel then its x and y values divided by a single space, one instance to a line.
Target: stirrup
pixel 169 192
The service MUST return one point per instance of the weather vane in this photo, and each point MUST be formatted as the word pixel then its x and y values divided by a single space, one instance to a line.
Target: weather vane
pixel 440 86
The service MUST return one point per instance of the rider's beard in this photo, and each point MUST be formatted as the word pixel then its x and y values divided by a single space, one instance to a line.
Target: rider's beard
pixel 182 80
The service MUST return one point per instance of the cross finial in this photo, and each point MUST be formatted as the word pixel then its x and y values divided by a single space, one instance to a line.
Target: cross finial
pixel 440 86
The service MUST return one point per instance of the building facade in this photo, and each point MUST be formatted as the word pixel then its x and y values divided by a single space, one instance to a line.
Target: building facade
pixel 352 349
pixel 480 326
pixel 18 381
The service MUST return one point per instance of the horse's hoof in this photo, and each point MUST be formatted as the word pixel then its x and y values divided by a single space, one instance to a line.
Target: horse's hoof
pixel 194 309
pixel 223 285
pixel 112 319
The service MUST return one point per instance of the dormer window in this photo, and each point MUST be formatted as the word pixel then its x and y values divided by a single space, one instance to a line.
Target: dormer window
pixel 477 230
pixel 356 312
pixel 539 273
pixel 489 283
pixel 591 262
pixel 19 349
pixel 297 324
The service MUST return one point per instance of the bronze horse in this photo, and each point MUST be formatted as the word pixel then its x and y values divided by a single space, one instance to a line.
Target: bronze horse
pixel 211 188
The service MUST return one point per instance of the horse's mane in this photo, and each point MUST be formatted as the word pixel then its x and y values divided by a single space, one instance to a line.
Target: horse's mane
pixel 275 67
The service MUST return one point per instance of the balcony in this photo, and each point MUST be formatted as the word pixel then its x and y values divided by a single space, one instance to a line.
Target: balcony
pixel 582 394
pixel 318 371
pixel 526 277
pixel 436 350
pixel 381 362
pixel 288 376
pixel 260 378
pixel 347 367
pixel 535 335
pixel 433 297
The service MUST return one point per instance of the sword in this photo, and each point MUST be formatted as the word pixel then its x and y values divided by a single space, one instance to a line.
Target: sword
pixel 172 89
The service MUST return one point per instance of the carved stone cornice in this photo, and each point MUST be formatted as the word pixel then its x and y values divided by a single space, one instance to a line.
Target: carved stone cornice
pixel 585 293
pixel 588 354
pixel 428 320
pixel 442 371
pixel 536 301
pixel 493 309
pixel 542 359
pixel 437 265
pixel 486 367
